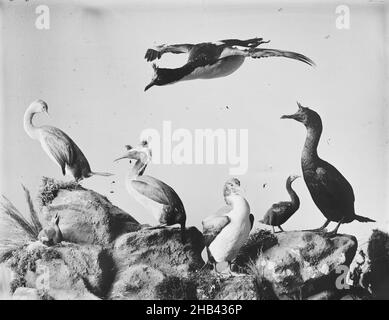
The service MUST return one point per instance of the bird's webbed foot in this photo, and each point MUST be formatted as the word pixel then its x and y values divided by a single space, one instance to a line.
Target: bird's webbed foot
pixel 335 231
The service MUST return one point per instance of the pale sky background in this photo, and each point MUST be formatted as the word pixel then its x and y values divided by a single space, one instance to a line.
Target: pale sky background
pixel 89 67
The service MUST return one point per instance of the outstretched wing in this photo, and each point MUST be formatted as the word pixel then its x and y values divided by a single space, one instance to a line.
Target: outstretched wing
pixel 249 43
pixel 265 53
pixel 158 51
pixel 212 226
pixel 157 190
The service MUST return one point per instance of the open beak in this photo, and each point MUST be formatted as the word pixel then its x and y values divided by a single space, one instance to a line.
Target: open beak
pixel 122 157
pixel 149 85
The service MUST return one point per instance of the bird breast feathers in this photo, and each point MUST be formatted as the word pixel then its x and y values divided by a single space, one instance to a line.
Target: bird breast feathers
pixel 212 226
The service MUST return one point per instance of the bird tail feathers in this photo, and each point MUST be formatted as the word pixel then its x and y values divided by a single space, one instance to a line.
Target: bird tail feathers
pixel 264 53
pixel 104 174
pixel 363 219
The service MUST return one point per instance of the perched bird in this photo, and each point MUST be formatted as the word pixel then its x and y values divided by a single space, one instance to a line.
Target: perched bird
pixel 58 145
pixel 51 235
pixel 211 60
pixel 280 212
pixel 330 191
pixel 227 230
pixel 156 196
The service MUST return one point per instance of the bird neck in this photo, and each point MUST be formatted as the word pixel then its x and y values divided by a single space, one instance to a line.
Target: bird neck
pixel 138 169
pixel 238 203
pixel 293 195
pixel 29 127
pixel 311 143
pixel 177 74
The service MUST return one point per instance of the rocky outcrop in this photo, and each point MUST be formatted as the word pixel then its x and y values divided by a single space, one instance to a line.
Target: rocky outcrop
pixel 86 217
pixel 146 258
pixel 305 263
pixel 238 288
pixel 106 254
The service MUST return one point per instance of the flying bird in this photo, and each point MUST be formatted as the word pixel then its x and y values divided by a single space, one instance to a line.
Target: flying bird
pixel 58 145
pixel 227 230
pixel 280 212
pixel 156 196
pixel 329 189
pixel 209 60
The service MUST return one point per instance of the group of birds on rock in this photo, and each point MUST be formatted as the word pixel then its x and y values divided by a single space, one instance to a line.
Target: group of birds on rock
pixel 226 231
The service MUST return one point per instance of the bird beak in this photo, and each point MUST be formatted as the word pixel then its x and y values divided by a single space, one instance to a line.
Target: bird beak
pixel 131 154
pixel 290 116
pixel 120 158
pixel 149 85
pixel 296 116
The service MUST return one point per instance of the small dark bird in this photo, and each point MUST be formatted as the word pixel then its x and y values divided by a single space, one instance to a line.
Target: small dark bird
pixel 156 196
pixel 280 212
pixel 209 60
pixel 51 235
pixel 330 190
pixel 58 145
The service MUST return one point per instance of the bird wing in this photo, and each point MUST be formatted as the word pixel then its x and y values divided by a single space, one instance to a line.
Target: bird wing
pixel 212 226
pixel 271 214
pixel 250 43
pixel 64 149
pixel 158 51
pixel 265 53
pixel 330 188
pixel 156 190
pixel 60 145
pixel 206 53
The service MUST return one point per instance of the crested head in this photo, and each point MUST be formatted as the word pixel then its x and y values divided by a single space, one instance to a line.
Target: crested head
pixel 141 152
pixel 306 116
pixel 38 106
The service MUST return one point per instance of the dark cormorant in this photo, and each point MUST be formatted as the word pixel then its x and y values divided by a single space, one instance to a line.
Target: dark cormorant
pixel 330 191
pixel 280 212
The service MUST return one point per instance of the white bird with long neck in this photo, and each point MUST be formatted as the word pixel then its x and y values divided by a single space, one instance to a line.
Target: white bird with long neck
pixel 226 232
pixel 58 145
pixel 156 196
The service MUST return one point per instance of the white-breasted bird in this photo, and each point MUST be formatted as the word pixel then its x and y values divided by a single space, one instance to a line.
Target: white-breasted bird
pixel 156 196
pixel 226 231
pixel 209 60
pixel 58 145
